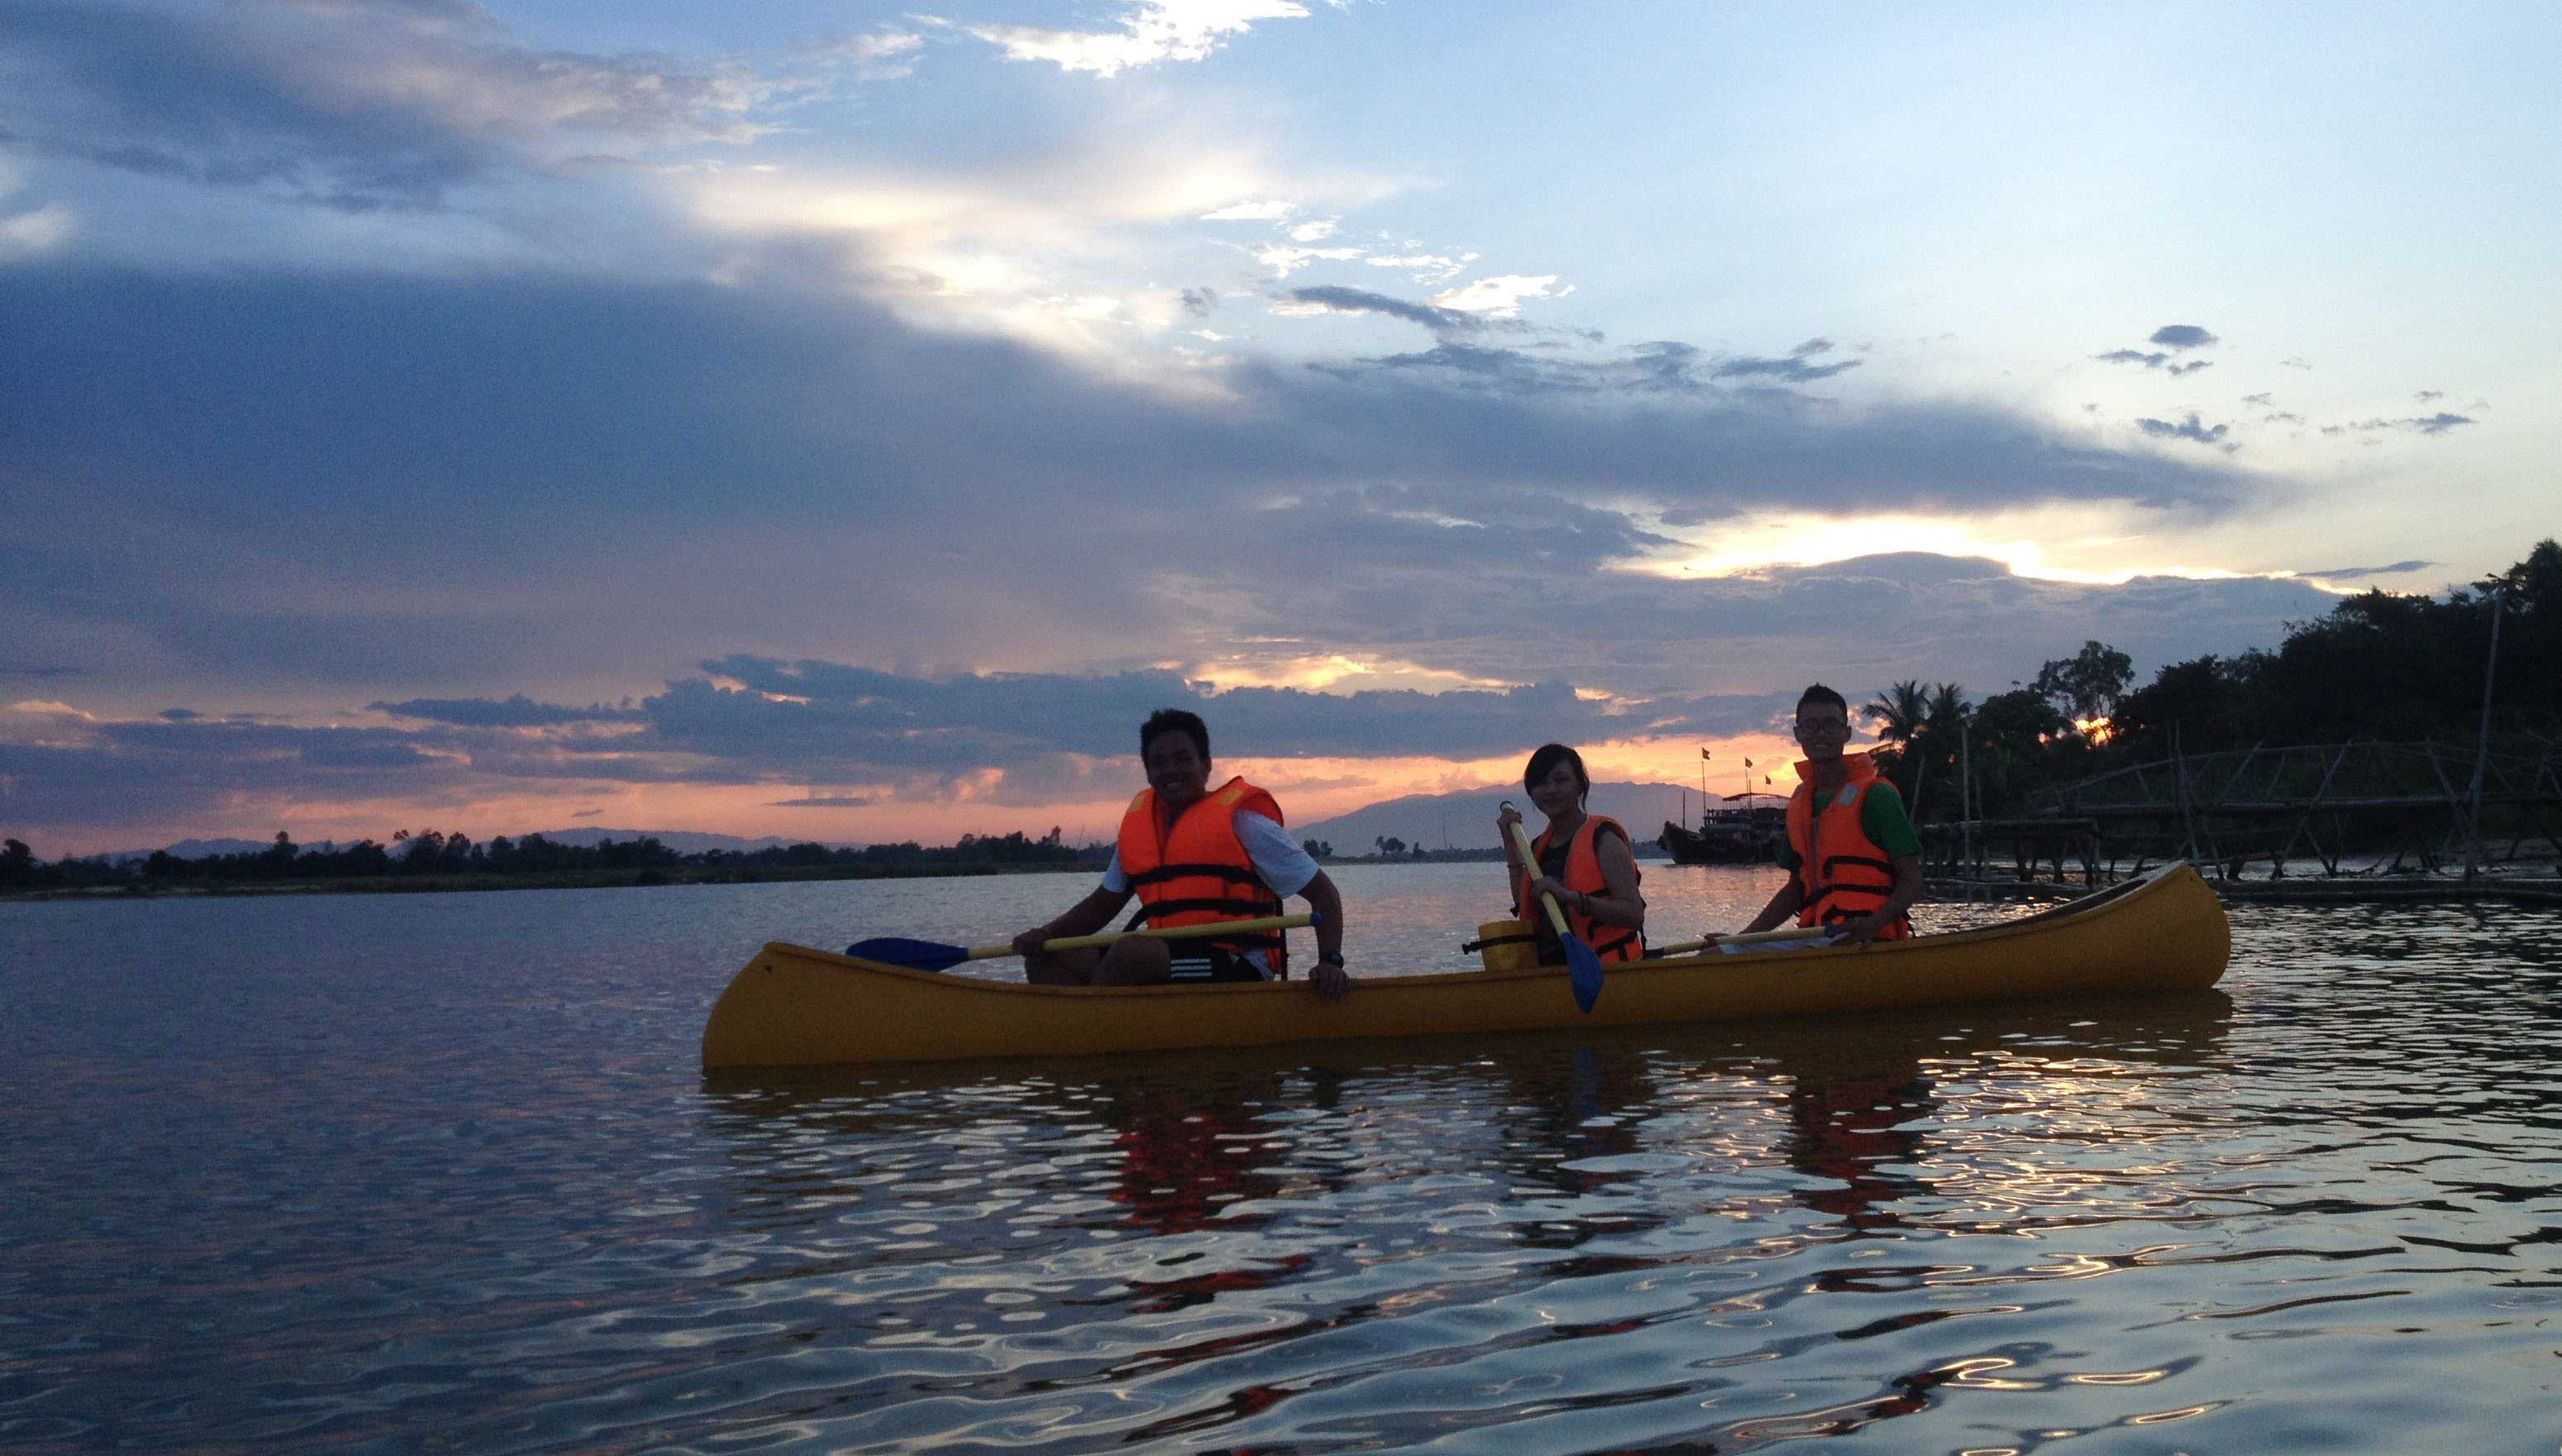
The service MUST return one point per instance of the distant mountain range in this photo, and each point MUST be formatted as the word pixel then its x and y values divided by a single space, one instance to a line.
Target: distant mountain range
pixel 1466 820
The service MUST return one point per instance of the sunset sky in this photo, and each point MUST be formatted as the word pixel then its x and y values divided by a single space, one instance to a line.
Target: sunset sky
pixel 847 421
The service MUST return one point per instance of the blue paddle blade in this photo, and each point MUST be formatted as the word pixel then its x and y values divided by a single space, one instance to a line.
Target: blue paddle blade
pixel 1583 972
pixel 917 954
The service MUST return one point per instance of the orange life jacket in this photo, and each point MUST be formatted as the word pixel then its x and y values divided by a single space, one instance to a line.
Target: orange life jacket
pixel 1197 870
pixel 1584 876
pixel 1842 874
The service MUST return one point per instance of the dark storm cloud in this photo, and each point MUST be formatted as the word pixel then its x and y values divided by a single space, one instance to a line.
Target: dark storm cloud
pixel 417 488
pixel 353 104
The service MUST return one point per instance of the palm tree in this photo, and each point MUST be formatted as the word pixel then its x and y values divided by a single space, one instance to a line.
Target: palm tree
pixel 1901 713
pixel 1945 720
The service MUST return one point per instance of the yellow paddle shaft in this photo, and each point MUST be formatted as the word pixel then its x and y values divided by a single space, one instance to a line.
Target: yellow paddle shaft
pixel 1529 864
pixel 1171 932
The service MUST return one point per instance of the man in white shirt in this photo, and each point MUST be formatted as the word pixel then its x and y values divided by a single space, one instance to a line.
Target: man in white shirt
pixel 1192 855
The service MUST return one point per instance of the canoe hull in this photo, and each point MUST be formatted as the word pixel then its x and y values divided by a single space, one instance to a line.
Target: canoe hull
pixel 797 1007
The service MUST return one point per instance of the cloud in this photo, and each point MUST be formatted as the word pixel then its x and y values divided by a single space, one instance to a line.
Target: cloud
pixel 2437 424
pixel 882 55
pixel 1795 369
pixel 41 231
pixel 1040 738
pixel 2174 338
pixel 519 711
pixel 357 104
pixel 1151 31
pixel 1270 210
pixel 1286 260
pixel 1426 268
pixel 2181 336
pixel 563 478
pixel 1354 300
pixel 2352 573
pixel 1498 297
pixel 2190 428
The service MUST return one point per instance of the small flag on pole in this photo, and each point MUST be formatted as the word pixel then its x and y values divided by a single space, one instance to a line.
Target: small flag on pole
pixel 1703 753
pixel 1748 762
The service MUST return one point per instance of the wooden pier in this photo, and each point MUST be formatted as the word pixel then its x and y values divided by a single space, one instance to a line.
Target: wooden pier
pixel 2368 814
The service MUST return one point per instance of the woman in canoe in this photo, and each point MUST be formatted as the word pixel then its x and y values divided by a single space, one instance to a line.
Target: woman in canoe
pixel 1585 860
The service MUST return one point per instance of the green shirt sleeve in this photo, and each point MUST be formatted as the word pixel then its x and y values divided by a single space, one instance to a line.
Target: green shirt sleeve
pixel 1881 813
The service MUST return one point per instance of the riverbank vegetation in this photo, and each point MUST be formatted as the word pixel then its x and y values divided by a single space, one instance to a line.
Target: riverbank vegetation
pixel 2380 667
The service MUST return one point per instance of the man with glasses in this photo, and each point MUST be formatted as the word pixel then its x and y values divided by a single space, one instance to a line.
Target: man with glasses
pixel 1854 863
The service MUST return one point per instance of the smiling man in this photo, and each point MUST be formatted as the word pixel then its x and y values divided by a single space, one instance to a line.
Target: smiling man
pixel 1194 855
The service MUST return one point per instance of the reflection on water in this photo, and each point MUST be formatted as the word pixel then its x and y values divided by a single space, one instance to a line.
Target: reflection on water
pixel 388 1175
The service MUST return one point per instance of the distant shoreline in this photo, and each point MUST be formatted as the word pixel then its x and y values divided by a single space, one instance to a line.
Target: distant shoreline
pixel 630 878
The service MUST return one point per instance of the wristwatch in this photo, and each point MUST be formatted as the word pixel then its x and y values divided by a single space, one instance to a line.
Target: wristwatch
pixel 1331 958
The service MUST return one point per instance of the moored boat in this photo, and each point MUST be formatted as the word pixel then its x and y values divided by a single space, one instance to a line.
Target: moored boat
pixel 793 1006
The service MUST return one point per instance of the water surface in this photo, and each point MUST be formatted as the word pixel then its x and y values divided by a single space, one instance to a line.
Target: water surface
pixel 441 1172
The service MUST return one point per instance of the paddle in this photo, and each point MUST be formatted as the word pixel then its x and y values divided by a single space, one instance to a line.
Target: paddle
pixel 917 954
pixel 1582 968
pixel 1811 934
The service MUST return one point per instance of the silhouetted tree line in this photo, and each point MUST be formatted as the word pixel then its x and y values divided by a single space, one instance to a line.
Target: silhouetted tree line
pixel 2381 666
pixel 428 852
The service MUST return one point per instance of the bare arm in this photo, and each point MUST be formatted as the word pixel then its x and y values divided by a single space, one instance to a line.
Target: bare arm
pixel 1785 904
pixel 1908 888
pixel 1624 907
pixel 1085 917
pixel 1512 868
pixel 1330 981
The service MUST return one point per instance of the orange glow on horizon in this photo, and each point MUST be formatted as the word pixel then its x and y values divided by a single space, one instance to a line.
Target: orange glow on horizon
pixel 1310 790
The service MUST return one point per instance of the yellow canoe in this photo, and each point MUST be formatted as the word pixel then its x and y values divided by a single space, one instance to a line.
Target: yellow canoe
pixel 797 1007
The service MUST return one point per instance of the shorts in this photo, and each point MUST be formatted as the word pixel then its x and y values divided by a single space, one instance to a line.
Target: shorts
pixel 1215 964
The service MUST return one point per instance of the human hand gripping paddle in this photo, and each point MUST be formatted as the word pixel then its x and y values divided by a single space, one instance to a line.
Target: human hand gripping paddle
pixel 917 954
pixel 1583 967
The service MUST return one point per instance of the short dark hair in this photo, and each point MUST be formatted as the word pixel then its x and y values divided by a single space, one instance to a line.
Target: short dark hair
pixel 1172 720
pixel 1544 759
pixel 1816 692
